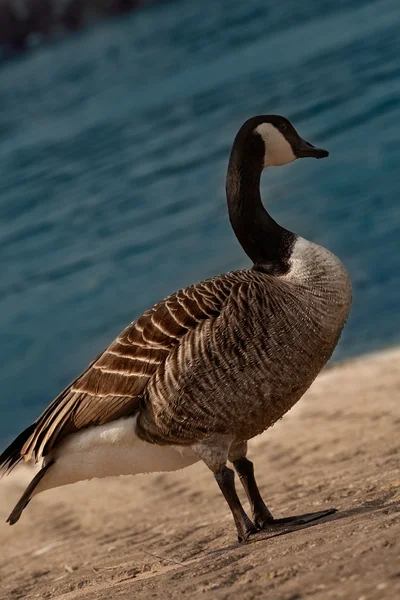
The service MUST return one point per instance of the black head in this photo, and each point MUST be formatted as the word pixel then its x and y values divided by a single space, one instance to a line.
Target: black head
pixel 281 144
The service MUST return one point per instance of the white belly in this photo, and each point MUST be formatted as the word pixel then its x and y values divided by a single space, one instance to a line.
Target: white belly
pixel 109 450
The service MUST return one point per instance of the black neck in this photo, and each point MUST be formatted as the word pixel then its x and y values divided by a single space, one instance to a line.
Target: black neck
pixel 265 242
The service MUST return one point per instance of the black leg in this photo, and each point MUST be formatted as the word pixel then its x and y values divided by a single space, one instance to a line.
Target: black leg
pixel 226 480
pixel 263 519
pixel 261 514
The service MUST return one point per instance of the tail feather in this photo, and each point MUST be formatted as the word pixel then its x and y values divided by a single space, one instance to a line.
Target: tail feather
pixel 12 455
pixel 26 496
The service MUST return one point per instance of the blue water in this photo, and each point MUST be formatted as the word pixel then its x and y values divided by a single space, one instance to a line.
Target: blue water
pixel 113 152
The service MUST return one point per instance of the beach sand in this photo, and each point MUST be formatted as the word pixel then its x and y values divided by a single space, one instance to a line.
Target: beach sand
pixel 172 535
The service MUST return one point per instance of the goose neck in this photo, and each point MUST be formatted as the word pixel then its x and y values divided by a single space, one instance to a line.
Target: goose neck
pixel 265 242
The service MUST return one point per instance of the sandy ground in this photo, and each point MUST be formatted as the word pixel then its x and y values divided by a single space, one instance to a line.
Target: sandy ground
pixel 171 535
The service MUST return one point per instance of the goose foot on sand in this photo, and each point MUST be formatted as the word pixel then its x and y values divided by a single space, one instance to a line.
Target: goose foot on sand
pixel 262 517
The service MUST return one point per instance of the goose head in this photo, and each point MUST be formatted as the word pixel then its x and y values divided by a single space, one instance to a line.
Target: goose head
pixel 272 141
pixel 262 141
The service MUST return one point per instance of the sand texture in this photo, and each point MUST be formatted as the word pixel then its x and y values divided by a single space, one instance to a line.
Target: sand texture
pixel 171 535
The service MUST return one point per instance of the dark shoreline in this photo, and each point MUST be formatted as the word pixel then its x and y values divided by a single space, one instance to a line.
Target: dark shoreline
pixel 46 19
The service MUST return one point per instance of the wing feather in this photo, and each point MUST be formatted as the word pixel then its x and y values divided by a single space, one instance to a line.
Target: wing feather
pixel 114 382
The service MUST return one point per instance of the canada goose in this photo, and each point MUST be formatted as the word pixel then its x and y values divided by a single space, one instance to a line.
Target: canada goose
pixel 212 365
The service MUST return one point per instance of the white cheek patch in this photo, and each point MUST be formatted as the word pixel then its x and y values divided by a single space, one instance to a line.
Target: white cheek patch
pixel 278 151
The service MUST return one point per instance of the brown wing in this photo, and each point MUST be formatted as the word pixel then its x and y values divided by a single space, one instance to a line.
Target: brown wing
pixel 113 384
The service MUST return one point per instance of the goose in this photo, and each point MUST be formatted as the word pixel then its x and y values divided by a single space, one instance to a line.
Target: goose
pixel 209 367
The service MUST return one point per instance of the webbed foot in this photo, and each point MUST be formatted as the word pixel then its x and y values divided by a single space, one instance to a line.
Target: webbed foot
pixel 273 525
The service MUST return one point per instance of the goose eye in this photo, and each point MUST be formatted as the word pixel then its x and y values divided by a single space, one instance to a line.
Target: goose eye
pixel 284 127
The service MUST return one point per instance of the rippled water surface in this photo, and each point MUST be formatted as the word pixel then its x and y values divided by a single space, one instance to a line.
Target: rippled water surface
pixel 113 152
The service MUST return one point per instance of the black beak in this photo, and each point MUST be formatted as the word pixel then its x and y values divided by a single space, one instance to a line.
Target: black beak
pixel 307 150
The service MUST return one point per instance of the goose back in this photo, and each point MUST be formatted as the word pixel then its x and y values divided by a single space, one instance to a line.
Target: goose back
pixel 229 355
